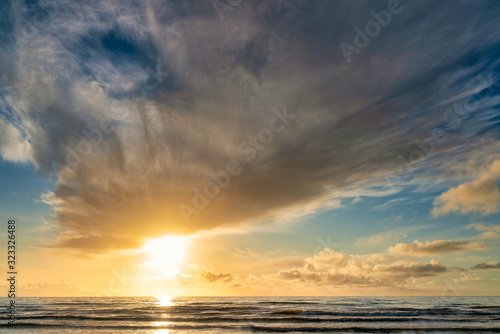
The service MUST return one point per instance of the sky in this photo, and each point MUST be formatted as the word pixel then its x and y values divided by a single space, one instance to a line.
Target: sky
pixel 251 148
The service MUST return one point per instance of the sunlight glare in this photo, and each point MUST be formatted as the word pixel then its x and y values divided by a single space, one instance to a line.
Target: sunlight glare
pixel 164 300
pixel 166 253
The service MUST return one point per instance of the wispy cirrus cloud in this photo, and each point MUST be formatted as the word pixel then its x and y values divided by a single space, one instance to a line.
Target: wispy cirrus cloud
pixel 487 231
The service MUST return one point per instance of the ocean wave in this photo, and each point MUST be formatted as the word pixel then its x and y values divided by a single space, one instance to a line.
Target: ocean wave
pixel 294 319
pixel 290 303
pixel 486 307
pixel 254 328
pixel 355 329
pixel 246 315
pixel 352 314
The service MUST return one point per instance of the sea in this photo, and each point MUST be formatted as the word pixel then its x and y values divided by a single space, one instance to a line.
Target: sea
pixel 254 315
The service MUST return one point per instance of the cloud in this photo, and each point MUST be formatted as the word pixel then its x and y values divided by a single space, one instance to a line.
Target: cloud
pixel 466 278
pixel 488 231
pixel 484 266
pixel 331 269
pixel 216 276
pixel 391 235
pixel 357 199
pixel 414 269
pixel 56 284
pixel 480 196
pixel 134 108
pixel 47 287
pixel 436 247
pixel 335 268
pixel 13 146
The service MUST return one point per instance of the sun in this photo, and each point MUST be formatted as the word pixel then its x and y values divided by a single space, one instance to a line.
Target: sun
pixel 166 254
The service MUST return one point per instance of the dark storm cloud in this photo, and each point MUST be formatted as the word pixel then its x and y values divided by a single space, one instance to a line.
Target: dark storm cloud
pixel 138 103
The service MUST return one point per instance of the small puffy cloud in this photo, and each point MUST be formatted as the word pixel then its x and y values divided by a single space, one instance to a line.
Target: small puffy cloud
pixel 13 146
pixel 56 284
pixel 48 287
pixel 479 196
pixel 435 247
pixel 484 266
pixel 357 200
pixel 212 276
pixel 466 278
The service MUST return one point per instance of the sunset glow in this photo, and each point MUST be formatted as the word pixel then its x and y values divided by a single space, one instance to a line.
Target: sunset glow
pixel 165 300
pixel 166 254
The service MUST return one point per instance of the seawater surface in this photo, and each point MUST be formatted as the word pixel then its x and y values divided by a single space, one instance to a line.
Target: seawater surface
pixel 255 315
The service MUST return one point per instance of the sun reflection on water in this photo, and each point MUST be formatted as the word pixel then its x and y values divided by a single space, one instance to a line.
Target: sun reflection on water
pixel 165 300
pixel 163 330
